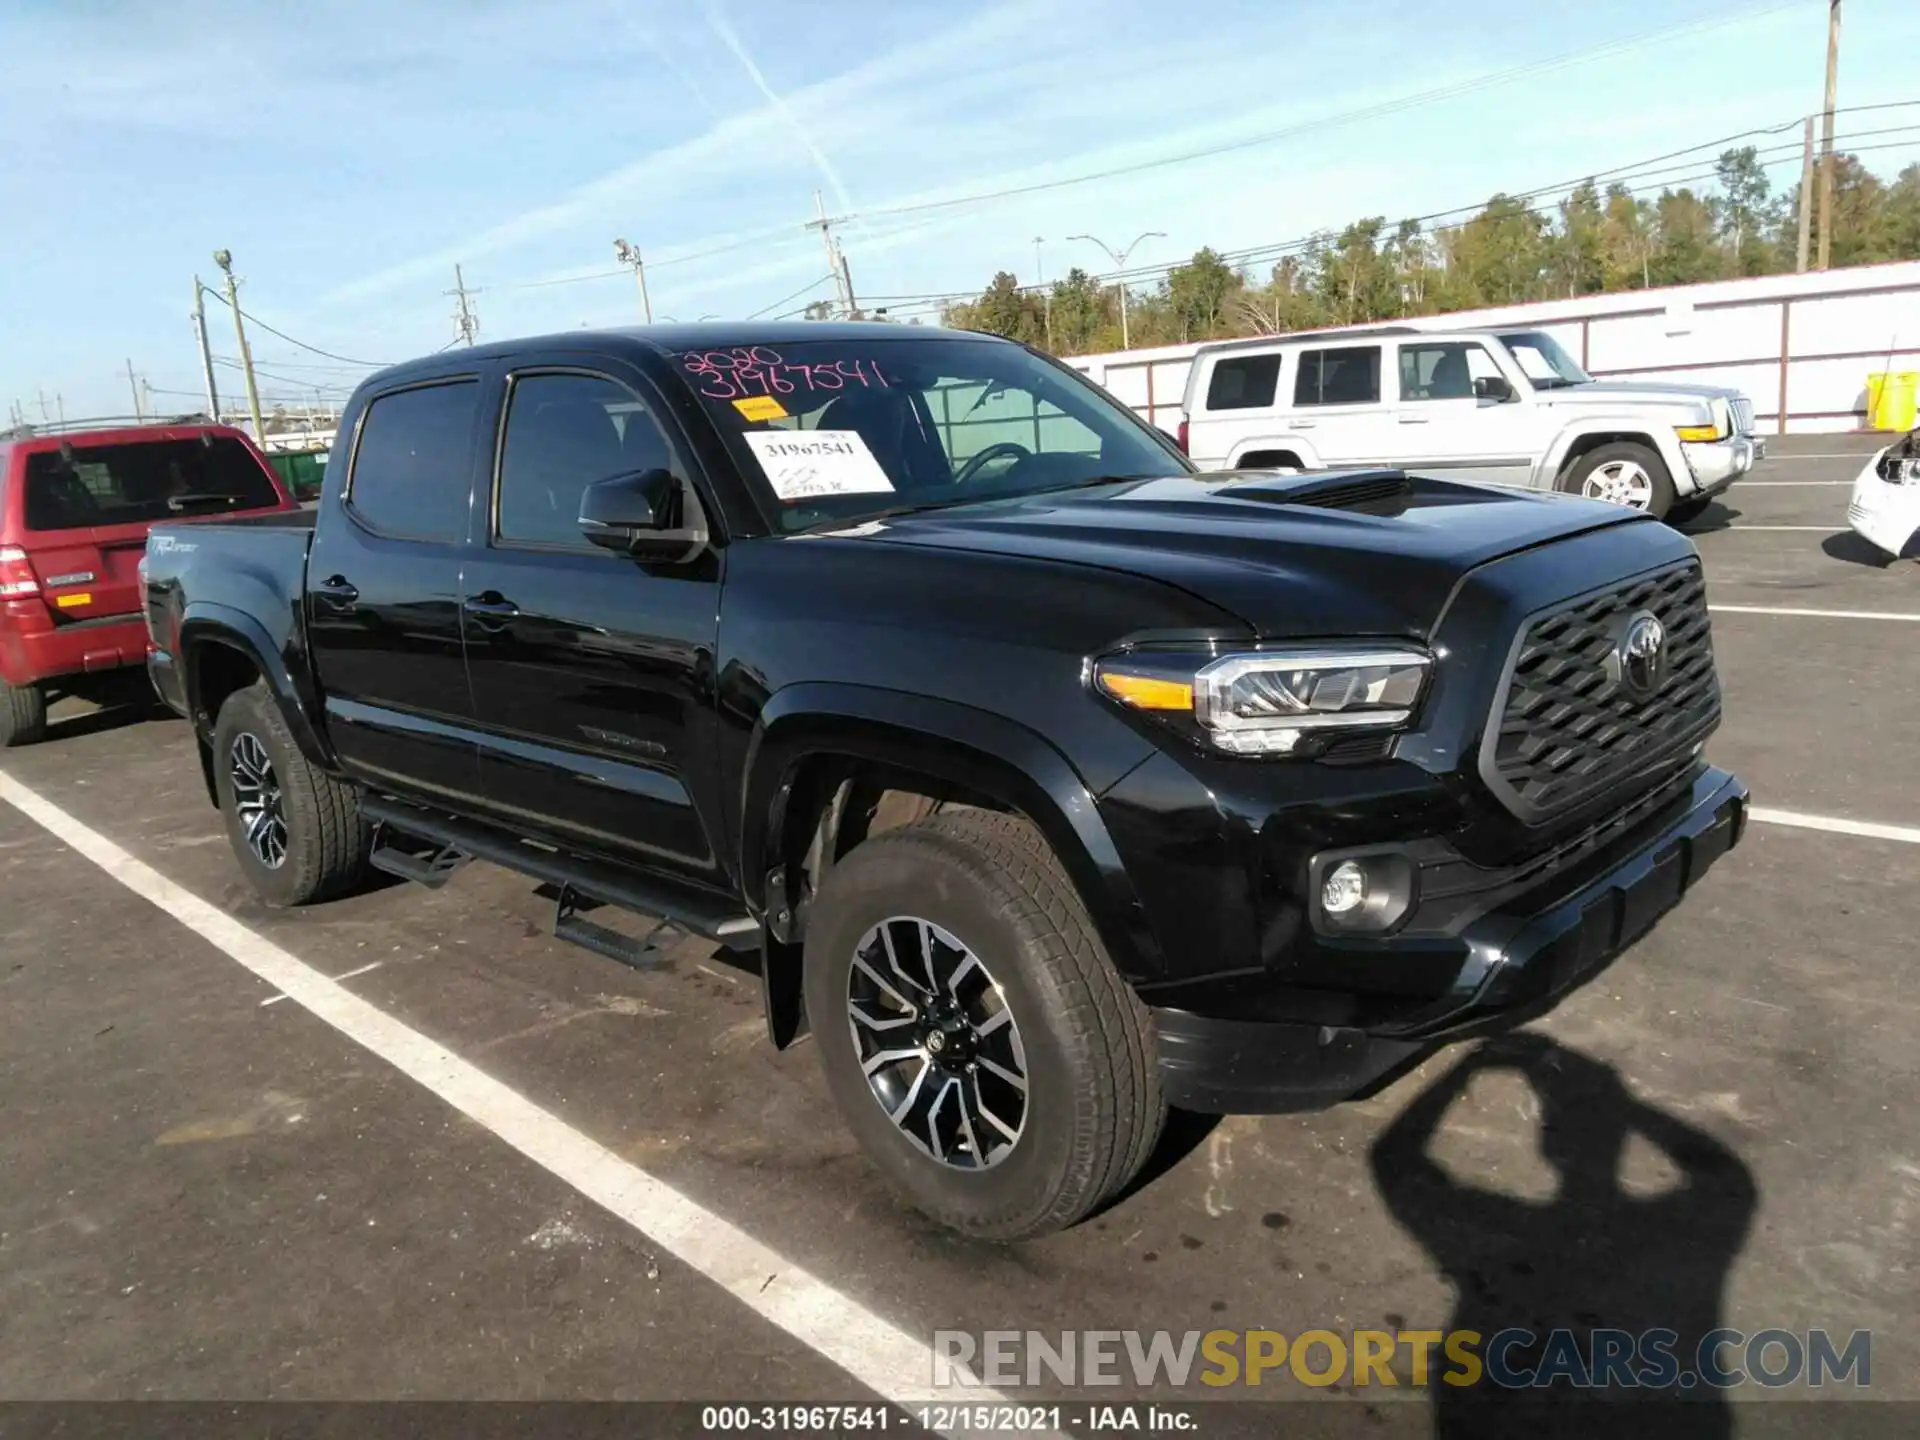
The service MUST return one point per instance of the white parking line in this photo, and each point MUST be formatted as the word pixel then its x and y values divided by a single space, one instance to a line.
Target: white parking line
pixel 871 1349
pixel 1873 829
pixel 1823 529
pixel 1752 484
pixel 1817 614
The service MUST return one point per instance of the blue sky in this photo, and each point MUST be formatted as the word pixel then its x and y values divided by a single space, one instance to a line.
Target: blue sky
pixel 349 154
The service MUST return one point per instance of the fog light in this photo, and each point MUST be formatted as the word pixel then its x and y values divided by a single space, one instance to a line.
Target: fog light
pixel 1345 888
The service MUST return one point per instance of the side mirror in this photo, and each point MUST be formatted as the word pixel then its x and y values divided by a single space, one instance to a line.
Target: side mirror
pixel 640 514
pixel 1493 387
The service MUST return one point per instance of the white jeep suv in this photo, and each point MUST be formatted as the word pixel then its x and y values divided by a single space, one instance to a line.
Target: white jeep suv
pixel 1507 406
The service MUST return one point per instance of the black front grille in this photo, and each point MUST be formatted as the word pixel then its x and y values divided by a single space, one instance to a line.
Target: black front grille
pixel 1570 725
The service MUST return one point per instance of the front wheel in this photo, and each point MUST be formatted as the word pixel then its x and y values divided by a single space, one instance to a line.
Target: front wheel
pixel 977 1039
pixel 295 829
pixel 1624 473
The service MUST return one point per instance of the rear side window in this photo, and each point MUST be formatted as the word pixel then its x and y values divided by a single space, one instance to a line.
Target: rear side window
pixel 1348 376
pixel 79 486
pixel 564 433
pixel 412 469
pixel 1245 382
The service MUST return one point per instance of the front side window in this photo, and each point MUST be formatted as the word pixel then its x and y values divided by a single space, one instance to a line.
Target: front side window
pixel 1443 370
pixel 834 431
pixel 412 470
pixel 79 486
pixel 564 433
pixel 1347 376
pixel 1244 382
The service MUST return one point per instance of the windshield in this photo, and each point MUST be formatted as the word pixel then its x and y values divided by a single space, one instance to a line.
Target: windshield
pixel 1543 361
pixel 79 486
pixel 844 431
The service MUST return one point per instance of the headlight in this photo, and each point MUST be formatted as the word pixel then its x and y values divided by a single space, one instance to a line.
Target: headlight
pixel 1721 427
pixel 1269 702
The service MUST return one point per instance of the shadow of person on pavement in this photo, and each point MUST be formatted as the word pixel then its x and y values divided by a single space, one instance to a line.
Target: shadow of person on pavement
pixel 1593 1256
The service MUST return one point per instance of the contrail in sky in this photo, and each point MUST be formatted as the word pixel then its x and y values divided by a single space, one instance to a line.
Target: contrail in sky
pixel 731 39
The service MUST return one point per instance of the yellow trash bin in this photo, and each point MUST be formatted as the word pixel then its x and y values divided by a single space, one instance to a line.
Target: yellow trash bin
pixel 1891 400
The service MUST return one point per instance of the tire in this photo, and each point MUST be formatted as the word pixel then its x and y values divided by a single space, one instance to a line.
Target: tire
pixel 1607 467
pixel 23 714
pixel 1092 1110
pixel 1685 512
pixel 324 843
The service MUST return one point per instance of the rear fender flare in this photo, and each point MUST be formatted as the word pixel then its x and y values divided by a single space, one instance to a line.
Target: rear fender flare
pixel 206 623
pixel 986 753
pixel 1285 440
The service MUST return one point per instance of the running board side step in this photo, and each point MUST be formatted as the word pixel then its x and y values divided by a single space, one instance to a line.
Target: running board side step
pixel 431 870
pixel 645 952
pixel 691 908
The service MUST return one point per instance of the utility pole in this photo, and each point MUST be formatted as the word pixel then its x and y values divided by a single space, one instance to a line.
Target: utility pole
pixel 1826 133
pixel 1120 263
pixel 466 324
pixel 206 351
pixel 1806 199
pixel 134 385
pixel 836 258
pixel 41 396
pixel 224 259
pixel 1046 295
pixel 630 255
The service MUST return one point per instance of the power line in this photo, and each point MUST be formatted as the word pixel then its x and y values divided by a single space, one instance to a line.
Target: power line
pixel 787 299
pixel 301 344
pixel 1647 174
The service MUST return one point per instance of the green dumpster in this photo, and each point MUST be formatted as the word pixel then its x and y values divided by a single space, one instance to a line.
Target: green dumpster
pixel 300 470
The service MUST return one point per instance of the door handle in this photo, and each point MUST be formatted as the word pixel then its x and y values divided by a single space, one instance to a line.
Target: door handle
pixel 1300 424
pixel 1413 419
pixel 337 593
pixel 491 610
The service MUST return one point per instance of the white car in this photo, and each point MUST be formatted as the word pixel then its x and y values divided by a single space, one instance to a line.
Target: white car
pixel 1885 508
pixel 1506 406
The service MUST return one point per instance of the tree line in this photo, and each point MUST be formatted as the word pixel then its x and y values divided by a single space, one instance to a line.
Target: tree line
pixel 1592 241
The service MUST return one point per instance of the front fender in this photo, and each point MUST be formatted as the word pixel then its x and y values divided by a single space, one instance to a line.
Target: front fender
pixel 208 623
pixel 983 752
pixel 1626 425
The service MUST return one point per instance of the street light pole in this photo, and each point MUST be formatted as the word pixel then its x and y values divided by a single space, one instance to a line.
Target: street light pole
pixel 1120 263
pixel 1826 134
pixel 629 255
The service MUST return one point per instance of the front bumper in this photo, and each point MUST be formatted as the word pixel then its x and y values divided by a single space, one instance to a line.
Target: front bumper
pixel 1716 464
pixel 1520 960
pixel 1883 513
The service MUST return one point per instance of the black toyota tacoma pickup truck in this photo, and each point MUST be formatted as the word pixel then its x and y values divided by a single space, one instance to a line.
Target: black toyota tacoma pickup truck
pixel 1051 781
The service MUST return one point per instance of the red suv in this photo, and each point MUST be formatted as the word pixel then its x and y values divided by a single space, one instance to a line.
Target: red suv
pixel 75 508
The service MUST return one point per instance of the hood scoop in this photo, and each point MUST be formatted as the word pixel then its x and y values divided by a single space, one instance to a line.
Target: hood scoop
pixel 1366 492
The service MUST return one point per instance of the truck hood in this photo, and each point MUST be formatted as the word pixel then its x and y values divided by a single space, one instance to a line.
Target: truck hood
pixel 1291 556
pixel 1619 393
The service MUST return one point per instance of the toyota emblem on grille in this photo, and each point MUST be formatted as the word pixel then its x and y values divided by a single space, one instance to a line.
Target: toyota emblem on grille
pixel 1639 660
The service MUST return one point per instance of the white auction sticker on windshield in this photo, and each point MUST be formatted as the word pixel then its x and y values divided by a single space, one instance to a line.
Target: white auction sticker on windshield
pixel 807 464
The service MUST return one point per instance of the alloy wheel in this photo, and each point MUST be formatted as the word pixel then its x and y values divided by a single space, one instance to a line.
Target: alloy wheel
pixel 257 800
pixel 1620 482
pixel 938 1043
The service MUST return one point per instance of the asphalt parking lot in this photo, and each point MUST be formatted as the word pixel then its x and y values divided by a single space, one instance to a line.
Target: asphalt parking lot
pixel 211 1191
